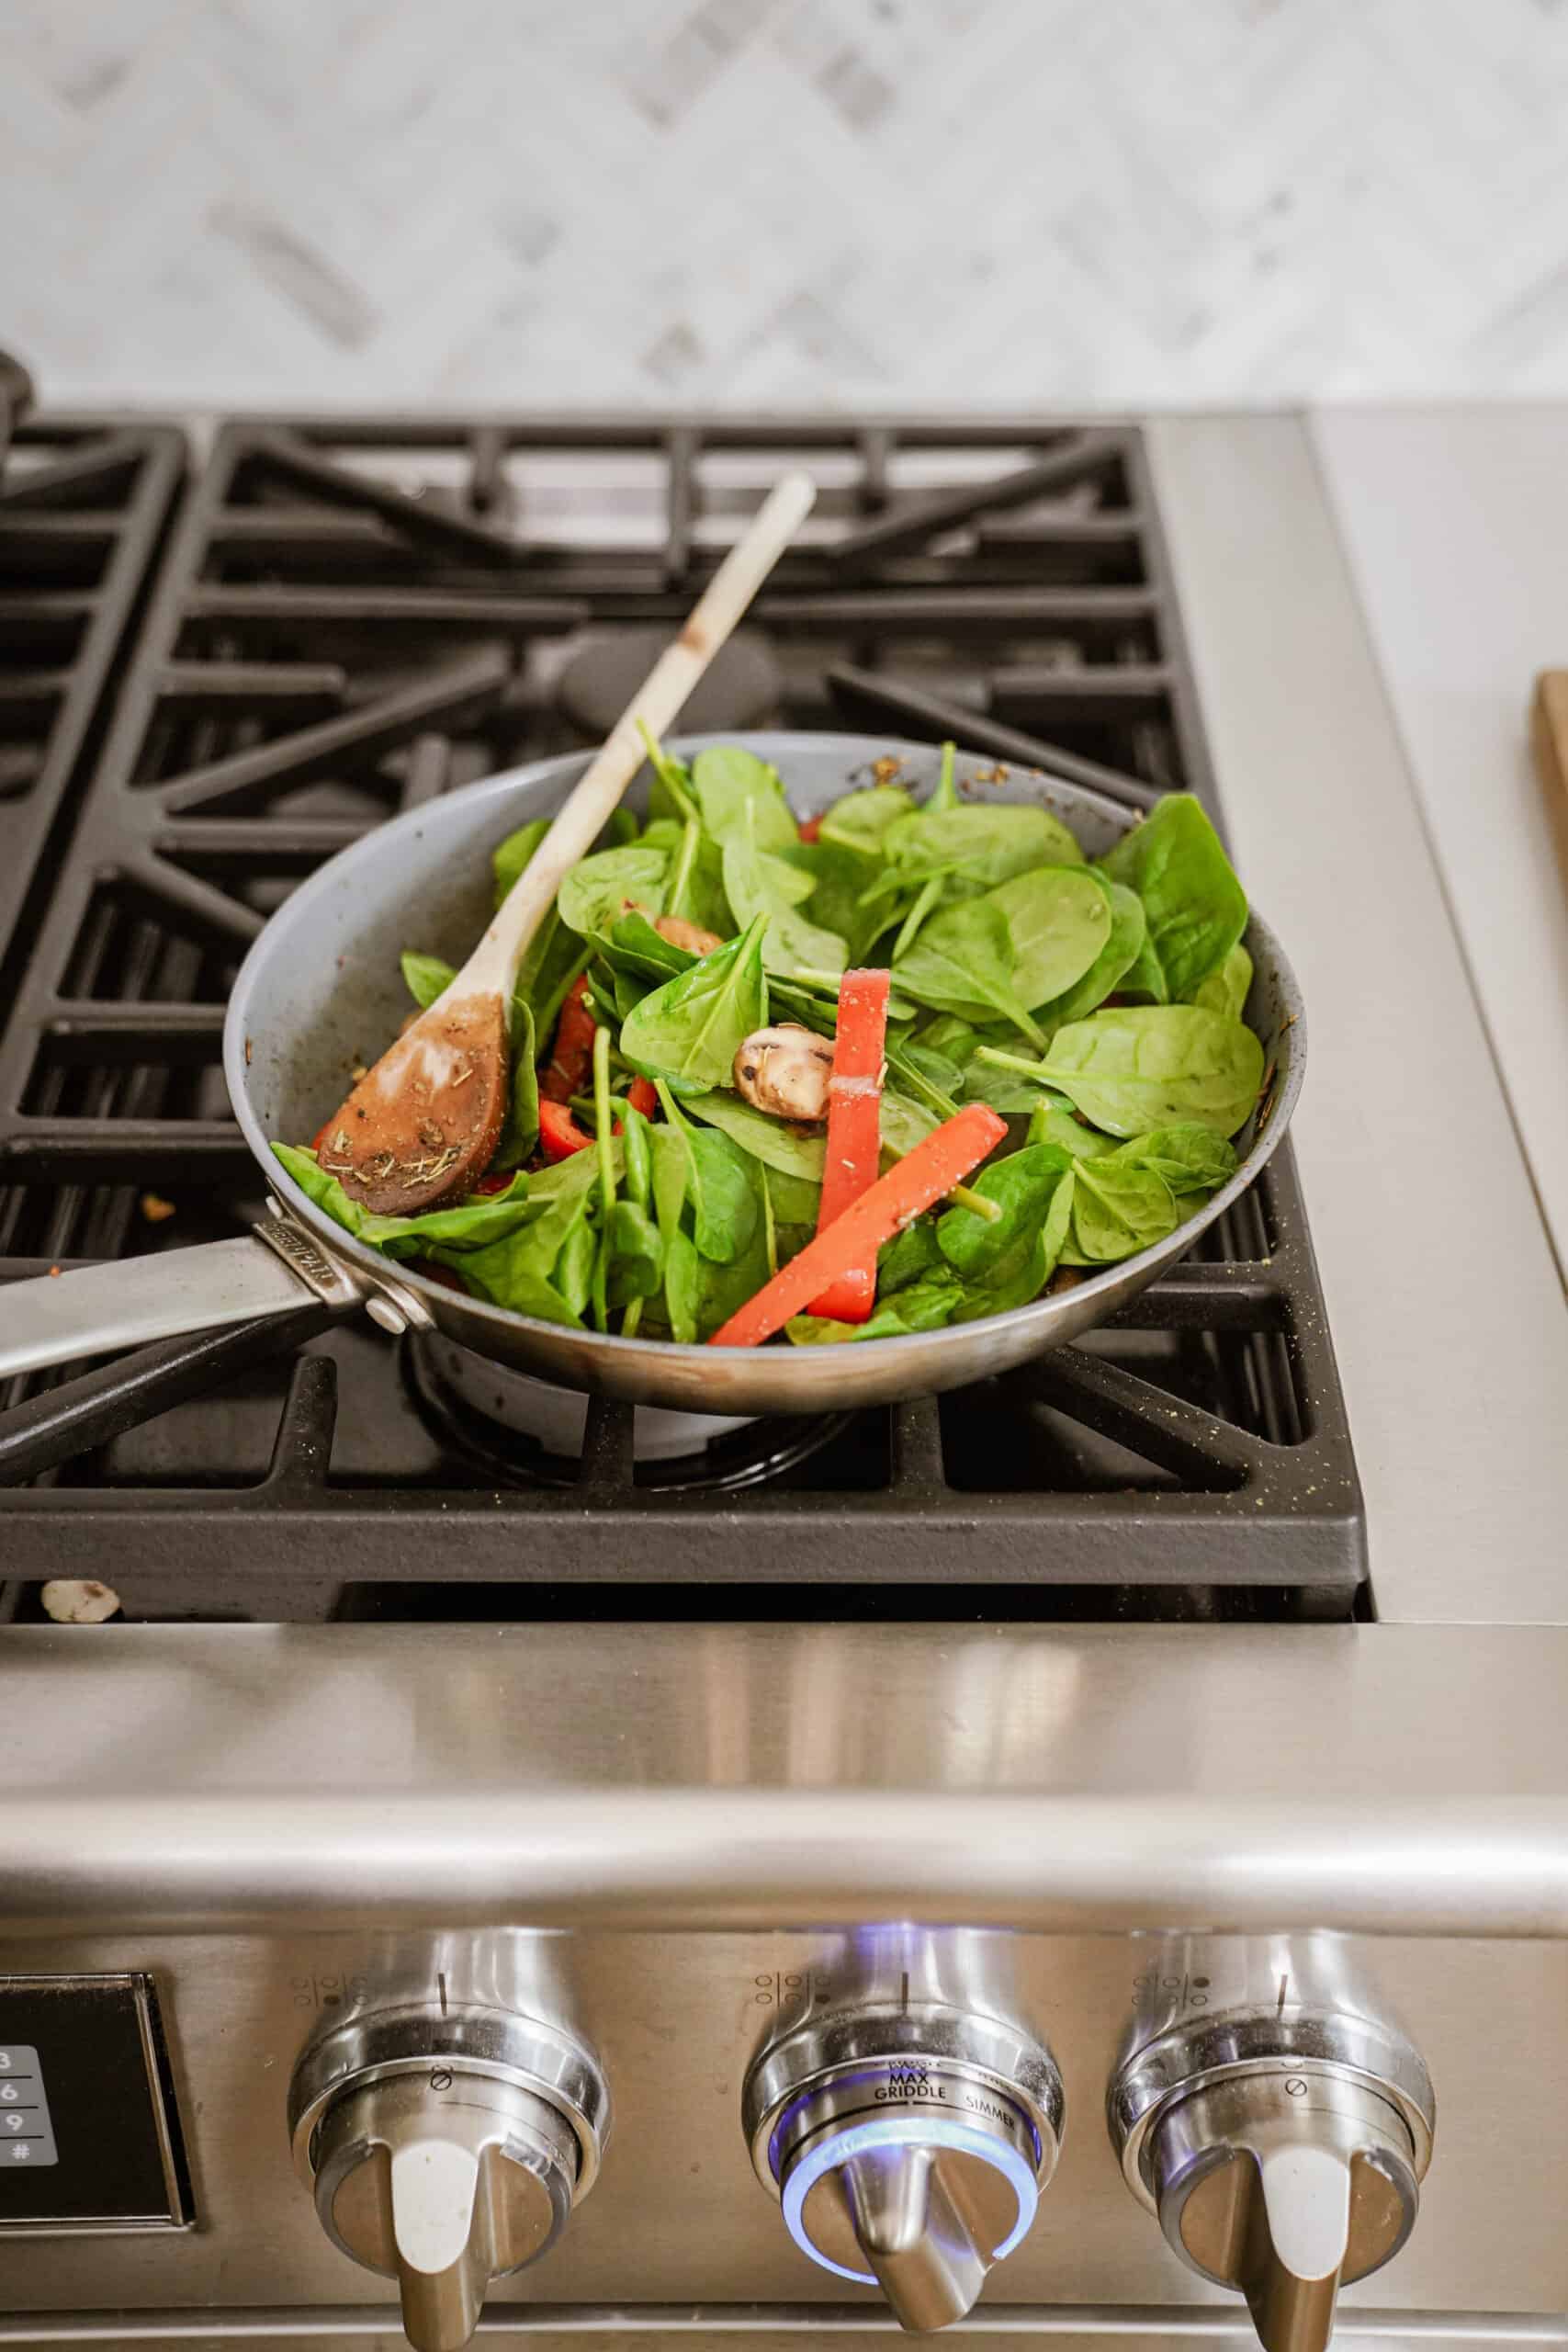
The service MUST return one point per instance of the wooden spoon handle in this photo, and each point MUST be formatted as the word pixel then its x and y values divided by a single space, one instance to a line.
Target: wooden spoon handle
pixel 597 792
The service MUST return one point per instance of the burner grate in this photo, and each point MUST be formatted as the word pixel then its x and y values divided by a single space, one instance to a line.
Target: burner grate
pixel 82 510
pixel 354 618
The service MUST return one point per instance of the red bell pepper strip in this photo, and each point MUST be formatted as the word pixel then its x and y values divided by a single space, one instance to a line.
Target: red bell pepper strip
pixel 809 828
pixel 642 1097
pixel 559 1135
pixel 925 1176
pixel 571 1056
pixel 854 1132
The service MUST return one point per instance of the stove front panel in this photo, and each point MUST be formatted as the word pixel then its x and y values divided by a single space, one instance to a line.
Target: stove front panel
pixel 677 2216
pixel 617 1833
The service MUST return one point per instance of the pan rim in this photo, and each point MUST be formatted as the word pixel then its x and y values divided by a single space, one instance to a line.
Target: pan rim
pixel 913 1347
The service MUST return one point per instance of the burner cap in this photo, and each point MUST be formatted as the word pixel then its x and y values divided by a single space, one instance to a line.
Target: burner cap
pixel 740 687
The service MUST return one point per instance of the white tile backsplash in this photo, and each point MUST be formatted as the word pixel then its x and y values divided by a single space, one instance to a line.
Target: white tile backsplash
pixel 1036 203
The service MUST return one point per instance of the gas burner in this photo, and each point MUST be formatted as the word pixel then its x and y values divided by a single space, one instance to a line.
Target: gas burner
pixel 742 688
pixel 528 1432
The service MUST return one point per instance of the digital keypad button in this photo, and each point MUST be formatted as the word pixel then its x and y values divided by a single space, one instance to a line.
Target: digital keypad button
pixel 27 2135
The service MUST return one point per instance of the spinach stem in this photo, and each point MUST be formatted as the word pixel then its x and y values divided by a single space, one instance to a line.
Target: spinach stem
pixel 945 795
pixel 605 1144
pixel 963 1195
pixel 685 860
pixel 929 892
pixel 669 772
pixel 681 1124
pixel 1011 1061
pixel 920 1085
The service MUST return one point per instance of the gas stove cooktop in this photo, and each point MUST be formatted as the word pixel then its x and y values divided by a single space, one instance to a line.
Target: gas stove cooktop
pixel 344 619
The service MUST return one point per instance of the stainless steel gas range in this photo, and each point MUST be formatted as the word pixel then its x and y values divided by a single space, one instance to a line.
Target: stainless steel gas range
pixel 1087 1857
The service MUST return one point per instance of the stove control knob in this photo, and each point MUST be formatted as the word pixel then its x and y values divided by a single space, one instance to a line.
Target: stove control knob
pixel 445 2151
pixel 907 2149
pixel 1282 2158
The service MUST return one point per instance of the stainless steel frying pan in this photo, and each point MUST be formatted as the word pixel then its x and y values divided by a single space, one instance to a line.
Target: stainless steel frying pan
pixel 321 991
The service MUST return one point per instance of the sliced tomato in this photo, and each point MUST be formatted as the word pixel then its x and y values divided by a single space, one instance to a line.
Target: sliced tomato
pixel 809 828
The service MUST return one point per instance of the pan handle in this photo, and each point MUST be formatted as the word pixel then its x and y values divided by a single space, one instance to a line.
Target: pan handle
pixel 274 1269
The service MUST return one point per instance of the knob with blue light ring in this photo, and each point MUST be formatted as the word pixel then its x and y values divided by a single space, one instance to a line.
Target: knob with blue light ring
pixel 912 2169
pixel 919 2133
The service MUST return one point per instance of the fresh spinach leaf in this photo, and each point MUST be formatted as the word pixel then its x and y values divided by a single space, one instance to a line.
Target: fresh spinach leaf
pixel 837 877
pixel 724 1205
pixel 1226 990
pixel 551 964
pixel 695 888
pixel 1020 1277
pixel 791 1150
pixel 1118 957
pixel 1021 1185
pixel 935 1068
pixel 1059 919
pixel 690 1030
pixel 1139 1066
pixel 593 894
pixel 1053 1120
pixel 634 1254
pixel 731 785
pixel 723 1285
pixel 577 1262
pixel 859 822
pixel 636 1152
pixel 521 1130
pixel 539 1269
pixel 468 1224
pixel 927 900
pixel 426 977
pixel 922 1305
pixel 1119 1208
pixel 503 1277
pixel 719 1189
pixel 1191 1160
pixel 671 1167
pixel 509 857
pixel 796 1200
pixel 1193 904
pixel 962 963
pixel 635 948
pixel 908 1255
pixel 759 886
pixel 671 794
pixel 980 846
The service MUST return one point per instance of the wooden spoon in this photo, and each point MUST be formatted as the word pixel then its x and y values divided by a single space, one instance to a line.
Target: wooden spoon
pixel 421 1126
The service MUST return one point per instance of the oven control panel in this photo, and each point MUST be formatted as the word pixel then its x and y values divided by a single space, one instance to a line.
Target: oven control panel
pixel 89 2130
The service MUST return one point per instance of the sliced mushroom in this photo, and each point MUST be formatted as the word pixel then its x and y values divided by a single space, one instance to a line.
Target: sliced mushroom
pixel 689 935
pixel 785 1071
pixel 675 929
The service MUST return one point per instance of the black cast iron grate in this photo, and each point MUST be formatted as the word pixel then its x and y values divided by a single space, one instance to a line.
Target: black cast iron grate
pixel 355 616
pixel 82 507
